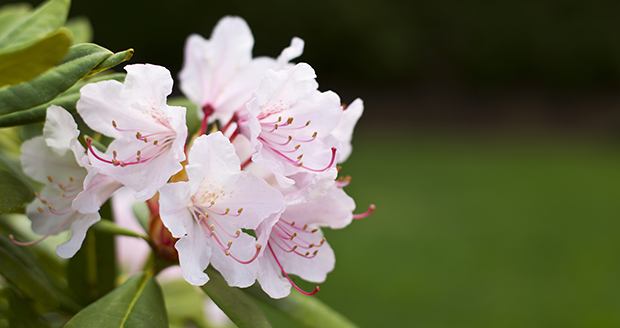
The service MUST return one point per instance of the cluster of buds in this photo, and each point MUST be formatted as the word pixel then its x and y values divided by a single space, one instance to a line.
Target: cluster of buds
pixel 248 198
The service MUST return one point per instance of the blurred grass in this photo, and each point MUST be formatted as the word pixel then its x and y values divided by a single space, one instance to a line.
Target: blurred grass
pixel 479 232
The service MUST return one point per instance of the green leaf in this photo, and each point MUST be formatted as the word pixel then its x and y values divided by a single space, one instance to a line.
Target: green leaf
pixel 78 63
pixel 306 310
pixel 66 100
pixel 16 311
pixel 81 28
pixel 136 303
pixel 14 194
pixel 11 15
pixel 112 61
pixel 45 19
pixel 18 267
pixel 241 309
pixel 142 213
pixel 26 63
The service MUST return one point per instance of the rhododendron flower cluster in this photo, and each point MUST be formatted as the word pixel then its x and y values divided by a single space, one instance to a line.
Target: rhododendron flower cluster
pixel 248 193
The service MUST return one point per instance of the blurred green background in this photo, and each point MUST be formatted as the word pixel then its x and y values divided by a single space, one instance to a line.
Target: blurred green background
pixel 489 145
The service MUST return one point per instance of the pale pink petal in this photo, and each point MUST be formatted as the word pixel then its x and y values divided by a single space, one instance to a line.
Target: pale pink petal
pixel 60 130
pixel 174 199
pixel 313 269
pixel 97 190
pixel 78 233
pixel 146 87
pixel 272 281
pixel 344 131
pixel 235 273
pixel 194 255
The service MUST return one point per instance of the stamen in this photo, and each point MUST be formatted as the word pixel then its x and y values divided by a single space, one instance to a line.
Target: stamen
pixel 297 147
pixel 40 209
pixel 227 210
pixel 138 135
pixel 36 194
pixel 240 210
pixel 293 236
pixel 155 142
pixel 275 127
pixel 114 124
pixel 289 121
pixel 314 134
pixel 229 243
pixel 44 201
pixel 300 156
pixel 46 235
pixel 371 209
pixel 71 178
pixel 315 230
pixel 50 178
pixel 293 223
pixel 308 123
pixel 316 290
pixel 305 226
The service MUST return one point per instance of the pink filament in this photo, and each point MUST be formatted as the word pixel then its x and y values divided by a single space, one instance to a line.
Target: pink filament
pixel 316 290
pixel 371 209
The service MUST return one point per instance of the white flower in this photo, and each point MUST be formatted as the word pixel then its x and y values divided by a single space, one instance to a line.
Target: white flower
pixel 220 74
pixel 208 212
pixel 149 135
pixel 290 124
pixel 73 190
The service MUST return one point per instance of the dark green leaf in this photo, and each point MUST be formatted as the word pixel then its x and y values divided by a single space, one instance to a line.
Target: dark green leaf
pixel 17 266
pixel 81 28
pixel 306 310
pixel 136 303
pixel 26 63
pixel 66 100
pixel 112 61
pixel 142 213
pixel 45 19
pixel 11 15
pixel 14 194
pixel 18 312
pixel 240 308
pixel 79 62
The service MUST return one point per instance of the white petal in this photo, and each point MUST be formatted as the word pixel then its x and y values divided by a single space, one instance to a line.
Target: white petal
pixel 174 200
pixel 291 52
pixel 194 255
pixel 311 269
pixel 97 190
pixel 78 233
pixel 147 86
pixel 60 130
pixel 235 273
pixel 344 131
pixel 333 210
pixel 272 281
pixel 39 161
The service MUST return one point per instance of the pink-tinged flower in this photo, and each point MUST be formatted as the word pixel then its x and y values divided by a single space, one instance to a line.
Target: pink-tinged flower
pixel 73 191
pixel 290 124
pixel 208 212
pixel 296 244
pixel 149 135
pixel 344 131
pixel 220 74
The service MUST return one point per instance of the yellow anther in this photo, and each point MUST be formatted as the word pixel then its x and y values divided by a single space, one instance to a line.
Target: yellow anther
pixel 212 227
pixel 40 209
pixel 308 123
pixel 71 179
pixel 275 127
pixel 114 124
pixel 121 164
pixel 227 253
pixel 201 217
pixel 115 153
pixel 314 134
pixel 227 210
pixel 289 121
pixel 322 241
pixel 307 253
pixel 155 142
pixel 138 153
pixel 300 156
pixel 259 246
pixel 229 243
pixel 44 201
pixel 293 223
pixel 36 194
pixel 145 140
pixel 62 194
pixel 294 235
pixel 297 147
pixel 305 226
pixel 50 178
pixel 290 138
pixel 137 158
pixel 238 232
pixel 62 187
pixel 212 203
pixel 114 161
pixel 311 245
pixel 138 135
pixel 240 210
pixel 300 164
pixel 314 253
pixel 51 208
pixel 315 230
pixel 280 119
pixel 294 247
pixel 207 215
